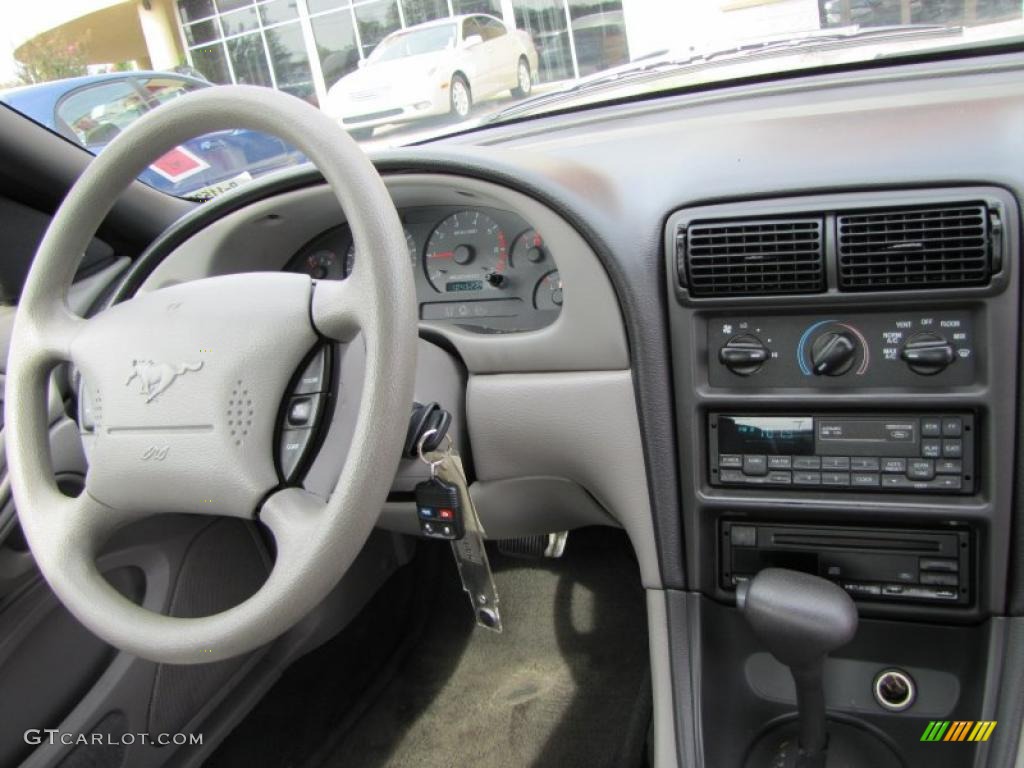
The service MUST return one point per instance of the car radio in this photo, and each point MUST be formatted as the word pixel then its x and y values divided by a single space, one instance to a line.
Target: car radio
pixel 890 453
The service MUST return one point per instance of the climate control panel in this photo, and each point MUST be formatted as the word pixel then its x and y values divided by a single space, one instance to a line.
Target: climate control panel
pixel 911 349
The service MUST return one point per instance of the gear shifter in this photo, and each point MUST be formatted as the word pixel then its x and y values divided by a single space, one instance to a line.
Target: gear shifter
pixel 800 618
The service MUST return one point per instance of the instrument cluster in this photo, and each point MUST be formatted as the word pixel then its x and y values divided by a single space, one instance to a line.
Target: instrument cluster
pixel 483 269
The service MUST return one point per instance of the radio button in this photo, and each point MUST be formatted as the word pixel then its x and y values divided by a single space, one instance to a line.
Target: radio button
pixel 921 469
pixel 835 478
pixel 755 465
pixel 947 483
pixel 869 464
pixel 730 460
pixel 894 465
pixel 940 579
pixel 931 449
pixel 807 478
pixel 931 427
pixel 732 476
pixel 949 466
pixel 781 478
pixel 865 479
pixel 780 462
pixel 952 449
pixel 835 462
pixel 939 564
pixel 952 427
pixel 896 481
pixel 806 462
pixel 855 588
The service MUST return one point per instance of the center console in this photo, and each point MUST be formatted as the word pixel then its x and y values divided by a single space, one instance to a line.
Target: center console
pixel 845 370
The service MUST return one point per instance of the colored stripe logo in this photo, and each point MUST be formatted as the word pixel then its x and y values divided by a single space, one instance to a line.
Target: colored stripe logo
pixel 958 730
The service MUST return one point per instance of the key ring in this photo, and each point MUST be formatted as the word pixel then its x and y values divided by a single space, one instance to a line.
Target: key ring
pixel 434 464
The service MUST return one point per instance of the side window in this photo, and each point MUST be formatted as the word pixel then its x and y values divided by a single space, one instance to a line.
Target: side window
pixel 491 28
pixel 98 113
pixel 161 89
pixel 470 28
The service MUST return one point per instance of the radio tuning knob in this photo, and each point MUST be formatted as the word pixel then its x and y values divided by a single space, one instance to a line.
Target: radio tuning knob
pixel 743 354
pixel 927 353
pixel 833 353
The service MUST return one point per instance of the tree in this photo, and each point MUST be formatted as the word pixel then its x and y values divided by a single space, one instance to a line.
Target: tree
pixel 49 57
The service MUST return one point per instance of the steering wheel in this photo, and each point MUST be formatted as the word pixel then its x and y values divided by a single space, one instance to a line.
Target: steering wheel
pixel 207 346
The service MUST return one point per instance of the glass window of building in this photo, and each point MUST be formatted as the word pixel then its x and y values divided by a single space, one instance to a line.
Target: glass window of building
pixel 599 35
pixel 545 21
pixel 419 11
pixel 192 10
pixel 239 22
pixel 492 7
pixel 278 12
pixel 287 50
pixel 335 45
pixel 202 32
pixel 224 6
pixel 249 60
pixel 376 20
pixel 212 62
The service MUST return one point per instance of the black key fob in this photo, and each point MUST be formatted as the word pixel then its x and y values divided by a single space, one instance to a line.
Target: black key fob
pixel 439 509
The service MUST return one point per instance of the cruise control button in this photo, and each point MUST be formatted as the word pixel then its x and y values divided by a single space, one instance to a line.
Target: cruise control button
pixel 780 462
pixel 931 428
pixel 894 465
pixel 835 462
pixel 952 427
pixel 931 449
pixel 313 378
pixel 755 465
pixel 952 449
pixel 807 478
pixel 806 462
pixel 730 460
pixel 290 449
pixel 921 469
pixel 949 466
pixel 300 411
pixel 835 478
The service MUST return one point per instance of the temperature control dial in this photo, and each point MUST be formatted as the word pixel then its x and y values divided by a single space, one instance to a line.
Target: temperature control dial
pixel 927 353
pixel 833 353
pixel 743 355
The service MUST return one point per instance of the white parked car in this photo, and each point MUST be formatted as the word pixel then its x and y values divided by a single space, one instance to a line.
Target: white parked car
pixel 436 68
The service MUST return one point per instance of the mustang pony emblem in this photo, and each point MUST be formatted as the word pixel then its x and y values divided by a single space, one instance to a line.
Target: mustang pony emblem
pixel 154 378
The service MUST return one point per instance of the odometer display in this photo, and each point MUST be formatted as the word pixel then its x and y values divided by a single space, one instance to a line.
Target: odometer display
pixel 468 248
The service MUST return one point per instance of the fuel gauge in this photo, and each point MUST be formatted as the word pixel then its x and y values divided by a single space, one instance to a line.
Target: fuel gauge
pixel 548 293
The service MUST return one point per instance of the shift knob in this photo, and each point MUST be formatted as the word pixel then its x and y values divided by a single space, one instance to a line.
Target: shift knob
pixel 799 617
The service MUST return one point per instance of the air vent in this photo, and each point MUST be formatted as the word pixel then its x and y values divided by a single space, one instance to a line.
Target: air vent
pixel 919 247
pixel 754 257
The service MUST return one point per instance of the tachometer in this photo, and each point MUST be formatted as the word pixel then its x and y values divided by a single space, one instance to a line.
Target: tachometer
pixel 350 255
pixel 322 264
pixel 467 252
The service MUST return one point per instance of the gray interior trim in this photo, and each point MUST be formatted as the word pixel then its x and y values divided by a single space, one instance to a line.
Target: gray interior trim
pixel 588 334
pixel 578 425
pixel 665 752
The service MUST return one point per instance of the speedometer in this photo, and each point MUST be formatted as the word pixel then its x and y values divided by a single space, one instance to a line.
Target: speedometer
pixel 467 252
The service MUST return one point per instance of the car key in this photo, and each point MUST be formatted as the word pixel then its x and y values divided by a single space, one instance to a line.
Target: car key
pixel 439 509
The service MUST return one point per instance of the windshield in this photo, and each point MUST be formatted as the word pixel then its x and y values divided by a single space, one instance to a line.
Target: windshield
pixel 414 42
pixel 87 69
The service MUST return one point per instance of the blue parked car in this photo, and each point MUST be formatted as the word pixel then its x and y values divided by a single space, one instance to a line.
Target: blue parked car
pixel 93 109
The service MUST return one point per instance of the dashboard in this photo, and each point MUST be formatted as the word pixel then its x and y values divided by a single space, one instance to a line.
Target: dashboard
pixel 483 269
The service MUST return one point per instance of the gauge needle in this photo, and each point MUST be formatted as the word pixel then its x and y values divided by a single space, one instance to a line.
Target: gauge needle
pixel 443 255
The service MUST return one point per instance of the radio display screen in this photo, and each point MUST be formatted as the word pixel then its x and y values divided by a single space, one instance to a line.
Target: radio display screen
pixel 778 435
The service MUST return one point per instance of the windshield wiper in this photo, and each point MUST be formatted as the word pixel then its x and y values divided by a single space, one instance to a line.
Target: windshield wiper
pixel 655 66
